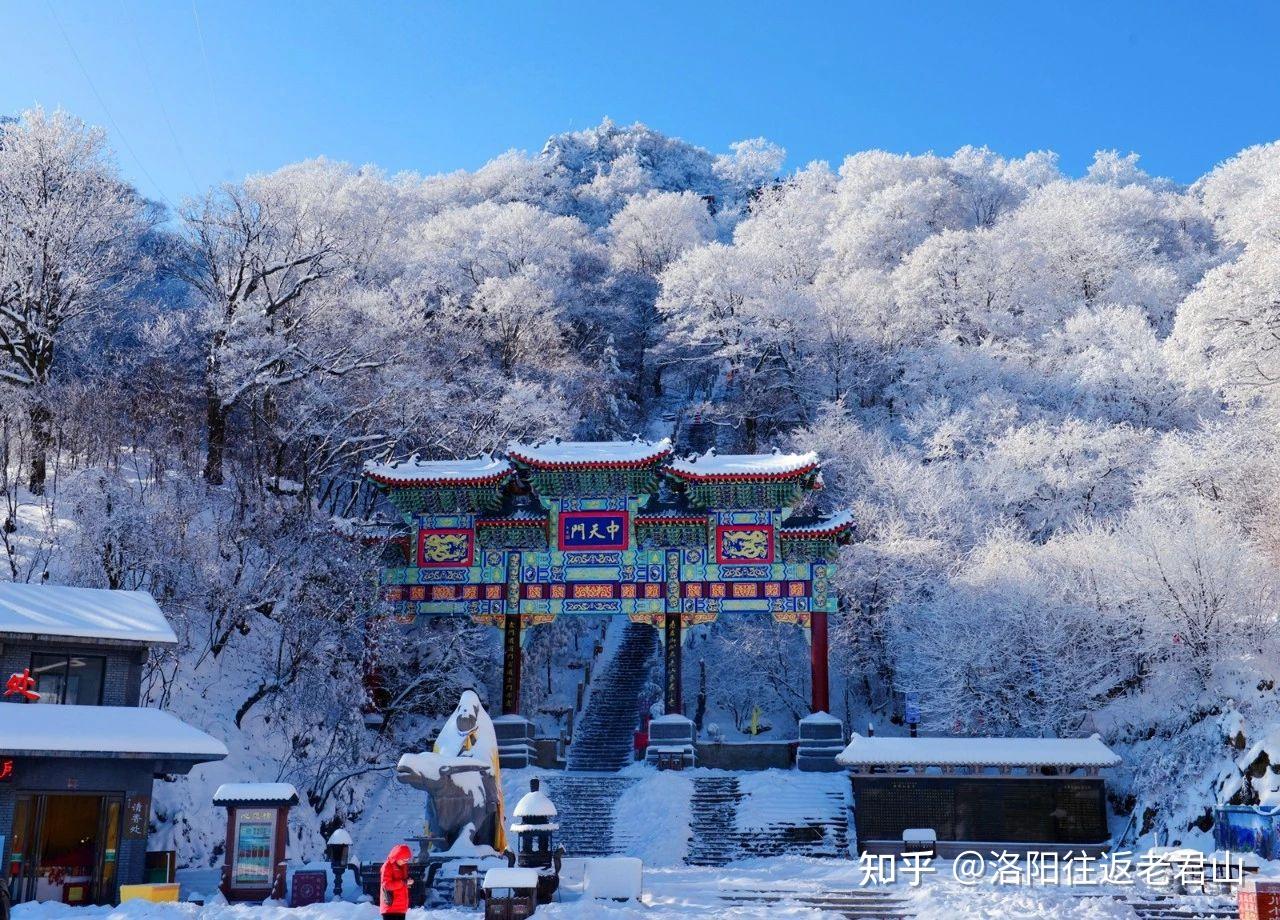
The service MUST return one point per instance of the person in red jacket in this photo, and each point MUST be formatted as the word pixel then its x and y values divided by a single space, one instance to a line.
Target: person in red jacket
pixel 396 882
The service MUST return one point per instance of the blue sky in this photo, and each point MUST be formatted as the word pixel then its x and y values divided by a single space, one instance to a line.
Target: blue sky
pixel 199 92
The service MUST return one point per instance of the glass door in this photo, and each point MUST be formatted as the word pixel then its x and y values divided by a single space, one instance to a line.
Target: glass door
pixel 109 852
pixel 67 852
pixel 21 866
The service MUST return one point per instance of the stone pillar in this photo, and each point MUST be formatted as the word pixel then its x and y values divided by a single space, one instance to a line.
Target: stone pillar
pixel 821 739
pixel 516 748
pixel 511 660
pixel 819 679
pixel 673 693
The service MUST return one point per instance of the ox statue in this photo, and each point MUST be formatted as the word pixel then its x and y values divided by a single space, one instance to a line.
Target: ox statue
pixel 462 780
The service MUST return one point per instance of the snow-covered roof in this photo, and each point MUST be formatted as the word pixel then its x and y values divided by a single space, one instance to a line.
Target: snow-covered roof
pixel 86 731
pixel 881 751
pixel 671 516
pixel 828 526
pixel 510 878
pixel 424 473
pixel 590 455
pixel 713 467
pixel 255 794
pixel 520 517
pixel 534 804
pixel 83 613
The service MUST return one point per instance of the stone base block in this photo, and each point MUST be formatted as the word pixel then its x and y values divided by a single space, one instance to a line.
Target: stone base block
pixel 821 739
pixel 670 743
pixel 516 748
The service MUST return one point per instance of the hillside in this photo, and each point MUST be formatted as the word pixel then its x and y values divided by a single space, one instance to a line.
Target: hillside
pixel 1049 399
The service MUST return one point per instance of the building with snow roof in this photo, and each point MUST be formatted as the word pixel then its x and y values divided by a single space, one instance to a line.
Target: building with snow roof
pixel 78 753
pixel 1042 794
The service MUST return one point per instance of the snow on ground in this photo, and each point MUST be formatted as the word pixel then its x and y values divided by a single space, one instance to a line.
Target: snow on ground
pixel 687 891
pixel 659 841
pixel 787 796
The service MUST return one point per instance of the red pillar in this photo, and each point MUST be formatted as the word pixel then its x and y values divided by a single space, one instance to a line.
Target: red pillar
pixel 820 692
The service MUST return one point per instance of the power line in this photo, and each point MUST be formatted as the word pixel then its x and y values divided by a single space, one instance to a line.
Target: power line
pixel 155 89
pixel 208 76
pixel 106 110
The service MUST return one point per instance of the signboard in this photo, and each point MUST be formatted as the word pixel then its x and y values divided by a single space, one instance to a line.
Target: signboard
pixel 252 858
pixel 911 709
pixel 137 815
pixel 600 530
pixel 445 546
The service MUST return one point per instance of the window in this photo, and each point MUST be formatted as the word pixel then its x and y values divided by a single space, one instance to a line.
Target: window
pixel 69 678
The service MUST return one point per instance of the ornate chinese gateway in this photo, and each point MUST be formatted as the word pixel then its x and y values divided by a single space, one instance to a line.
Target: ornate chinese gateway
pixel 564 528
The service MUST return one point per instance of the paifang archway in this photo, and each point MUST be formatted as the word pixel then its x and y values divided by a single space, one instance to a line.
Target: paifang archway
pixel 616 527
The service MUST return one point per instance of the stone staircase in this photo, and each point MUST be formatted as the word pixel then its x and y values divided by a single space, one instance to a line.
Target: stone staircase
pixel 853 904
pixel 713 828
pixel 585 811
pixel 1177 907
pixel 808 816
pixel 603 739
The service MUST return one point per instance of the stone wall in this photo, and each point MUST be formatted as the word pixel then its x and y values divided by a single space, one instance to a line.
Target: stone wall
pixel 746 755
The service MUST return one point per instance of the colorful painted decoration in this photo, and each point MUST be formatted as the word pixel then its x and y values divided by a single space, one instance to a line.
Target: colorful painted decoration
pixel 606 528
pixel 445 546
pixel 744 543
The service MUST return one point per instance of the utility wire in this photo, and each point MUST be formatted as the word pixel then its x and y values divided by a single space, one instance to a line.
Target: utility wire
pixel 155 89
pixel 106 110
pixel 208 76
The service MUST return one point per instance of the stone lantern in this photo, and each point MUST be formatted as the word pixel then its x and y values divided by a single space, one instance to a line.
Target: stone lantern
pixel 534 831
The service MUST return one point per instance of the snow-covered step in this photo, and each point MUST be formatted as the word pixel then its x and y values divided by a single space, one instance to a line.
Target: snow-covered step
pixel 393 815
pixel 585 811
pixel 770 813
pixel 858 904
pixel 714 820
pixel 603 738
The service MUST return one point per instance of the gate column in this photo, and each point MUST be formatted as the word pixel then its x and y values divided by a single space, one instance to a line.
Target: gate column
pixel 819 677
pixel 511 660
pixel 673 693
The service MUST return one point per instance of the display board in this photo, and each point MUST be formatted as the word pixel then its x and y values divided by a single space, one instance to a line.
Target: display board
pixel 251 861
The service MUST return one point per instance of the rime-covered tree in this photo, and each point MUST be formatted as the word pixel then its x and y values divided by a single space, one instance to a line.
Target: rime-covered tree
pixel 70 230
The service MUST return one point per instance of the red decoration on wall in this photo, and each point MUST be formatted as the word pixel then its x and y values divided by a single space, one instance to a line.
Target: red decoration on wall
pixel 22 684
pixel 6 770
